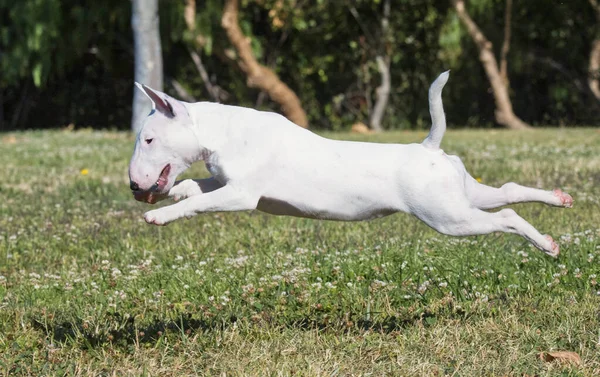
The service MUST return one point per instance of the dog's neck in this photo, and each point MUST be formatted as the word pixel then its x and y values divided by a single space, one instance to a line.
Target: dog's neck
pixel 210 125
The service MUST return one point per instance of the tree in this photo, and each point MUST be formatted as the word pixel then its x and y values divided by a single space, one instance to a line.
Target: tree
pixel 498 79
pixel 594 60
pixel 383 63
pixel 148 56
pixel 197 42
pixel 258 75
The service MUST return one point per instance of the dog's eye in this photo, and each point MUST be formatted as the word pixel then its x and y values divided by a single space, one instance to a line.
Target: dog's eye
pixel 148 141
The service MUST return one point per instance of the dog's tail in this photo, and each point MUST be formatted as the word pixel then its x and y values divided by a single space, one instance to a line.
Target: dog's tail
pixel 436 109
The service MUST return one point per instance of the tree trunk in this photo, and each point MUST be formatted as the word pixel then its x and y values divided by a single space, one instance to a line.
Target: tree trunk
pixel 383 94
pixel 594 69
pixel 504 113
pixel 594 62
pixel 259 76
pixel 506 42
pixel 383 63
pixel 148 56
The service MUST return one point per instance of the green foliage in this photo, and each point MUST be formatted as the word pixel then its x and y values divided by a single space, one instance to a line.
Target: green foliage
pixel 78 58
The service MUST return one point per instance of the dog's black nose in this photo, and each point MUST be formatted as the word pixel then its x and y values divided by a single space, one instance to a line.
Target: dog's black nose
pixel 133 186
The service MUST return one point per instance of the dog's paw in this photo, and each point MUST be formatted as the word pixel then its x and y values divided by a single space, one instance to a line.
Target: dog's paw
pixel 552 248
pixel 565 199
pixel 184 190
pixel 155 217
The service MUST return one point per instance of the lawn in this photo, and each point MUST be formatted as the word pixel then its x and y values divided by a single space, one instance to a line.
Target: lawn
pixel 88 288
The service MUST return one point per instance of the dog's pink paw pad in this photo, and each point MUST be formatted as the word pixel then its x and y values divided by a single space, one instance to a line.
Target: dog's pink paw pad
pixel 554 249
pixel 565 199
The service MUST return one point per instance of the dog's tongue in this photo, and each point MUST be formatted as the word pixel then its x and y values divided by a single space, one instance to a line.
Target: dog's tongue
pixel 164 177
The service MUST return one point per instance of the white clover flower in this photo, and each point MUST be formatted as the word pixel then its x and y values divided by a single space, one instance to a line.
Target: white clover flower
pixel 423 287
pixel 237 262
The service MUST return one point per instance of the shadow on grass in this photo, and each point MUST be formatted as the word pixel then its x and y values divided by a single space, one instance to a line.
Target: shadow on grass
pixel 125 331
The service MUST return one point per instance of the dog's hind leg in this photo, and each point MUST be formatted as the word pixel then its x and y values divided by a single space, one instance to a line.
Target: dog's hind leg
pixel 472 221
pixel 486 197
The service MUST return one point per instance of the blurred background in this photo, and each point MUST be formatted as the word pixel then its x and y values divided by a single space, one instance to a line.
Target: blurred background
pixel 326 64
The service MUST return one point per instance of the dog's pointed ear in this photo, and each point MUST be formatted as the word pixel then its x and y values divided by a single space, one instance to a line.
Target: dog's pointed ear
pixel 162 102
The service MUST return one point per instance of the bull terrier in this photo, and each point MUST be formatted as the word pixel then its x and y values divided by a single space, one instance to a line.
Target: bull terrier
pixel 261 160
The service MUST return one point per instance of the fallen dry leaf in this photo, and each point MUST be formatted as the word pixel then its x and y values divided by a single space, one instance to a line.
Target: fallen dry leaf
pixel 561 356
pixel 361 128
pixel 10 139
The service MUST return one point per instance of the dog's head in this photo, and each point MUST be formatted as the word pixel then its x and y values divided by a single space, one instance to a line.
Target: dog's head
pixel 165 146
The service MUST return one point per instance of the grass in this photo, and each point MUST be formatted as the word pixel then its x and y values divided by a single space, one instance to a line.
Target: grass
pixel 87 288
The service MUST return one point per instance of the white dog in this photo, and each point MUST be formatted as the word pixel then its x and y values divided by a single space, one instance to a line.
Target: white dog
pixel 261 160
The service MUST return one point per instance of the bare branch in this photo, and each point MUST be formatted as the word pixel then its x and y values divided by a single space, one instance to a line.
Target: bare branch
pixel 181 92
pixel 212 91
pixel 364 29
pixel 504 112
pixel 259 76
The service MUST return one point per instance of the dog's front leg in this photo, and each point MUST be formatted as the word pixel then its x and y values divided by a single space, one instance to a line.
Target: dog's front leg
pixel 221 200
pixel 190 187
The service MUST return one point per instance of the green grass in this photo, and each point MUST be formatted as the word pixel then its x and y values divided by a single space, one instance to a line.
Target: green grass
pixel 87 288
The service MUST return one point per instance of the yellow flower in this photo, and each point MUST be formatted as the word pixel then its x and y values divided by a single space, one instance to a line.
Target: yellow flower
pixel 84 171
pixel 478 179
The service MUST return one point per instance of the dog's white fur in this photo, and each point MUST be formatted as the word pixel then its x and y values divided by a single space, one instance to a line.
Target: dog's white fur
pixel 261 160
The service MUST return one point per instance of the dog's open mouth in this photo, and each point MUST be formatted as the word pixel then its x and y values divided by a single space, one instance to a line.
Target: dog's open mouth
pixel 163 179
